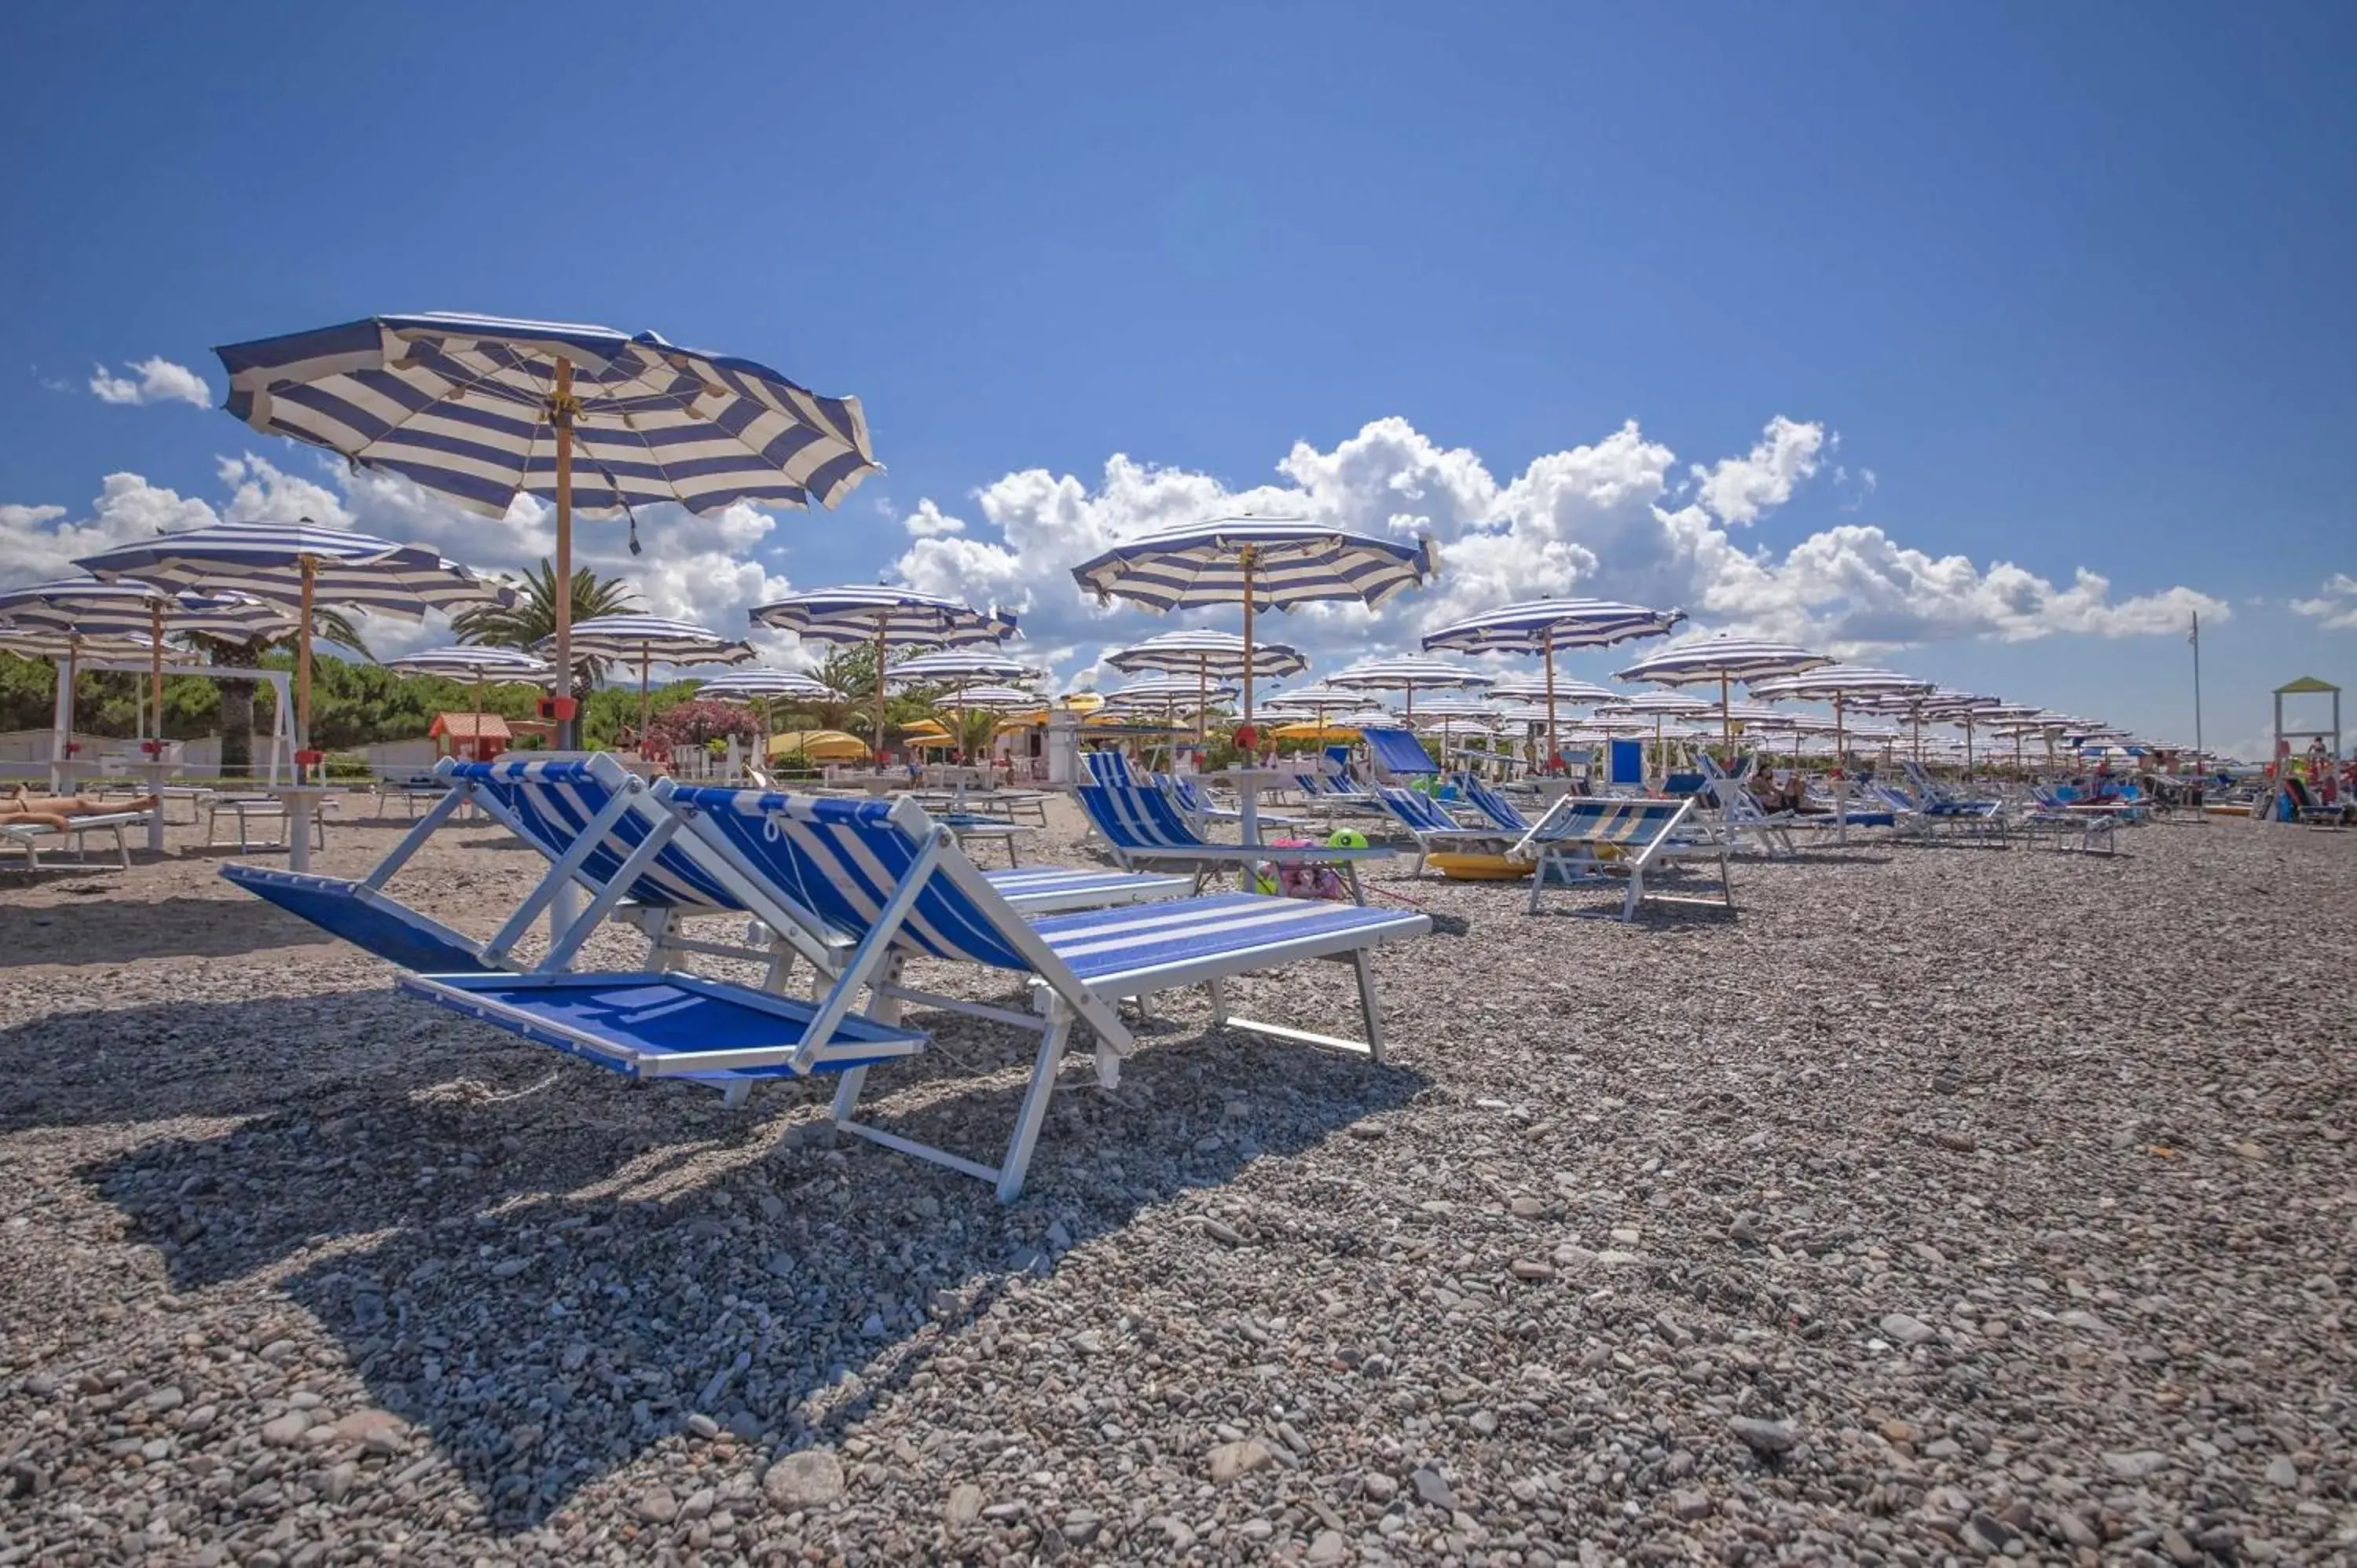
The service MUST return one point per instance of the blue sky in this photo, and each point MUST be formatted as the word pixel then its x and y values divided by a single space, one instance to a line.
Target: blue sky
pixel 2069 284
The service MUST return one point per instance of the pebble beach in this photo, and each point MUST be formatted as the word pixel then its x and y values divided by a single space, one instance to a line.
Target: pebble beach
pixel 1945 1204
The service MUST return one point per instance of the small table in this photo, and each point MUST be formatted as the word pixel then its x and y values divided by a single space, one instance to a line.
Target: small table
pixel 1248 783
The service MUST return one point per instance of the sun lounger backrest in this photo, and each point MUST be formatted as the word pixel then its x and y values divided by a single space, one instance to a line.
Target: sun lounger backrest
pixel 1136 818
pixel 1626 823
pixel 551 802
pixel 1109 767
pixel 1397 752
pixel 1492 805
pixel 843 859
pixel 1419 811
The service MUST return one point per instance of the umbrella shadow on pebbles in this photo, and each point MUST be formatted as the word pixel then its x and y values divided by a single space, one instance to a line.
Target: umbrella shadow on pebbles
pixel 539 1274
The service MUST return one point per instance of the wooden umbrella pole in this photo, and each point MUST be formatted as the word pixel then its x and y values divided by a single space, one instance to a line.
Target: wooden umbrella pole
pixel 156 669
pixel 1245 559
pixel 303 656
pixel 1202 697
pixel 1546 651
pixel 880 645
pixel 1726 719
pixel 476 740
pixel 561 408
pixel 646 657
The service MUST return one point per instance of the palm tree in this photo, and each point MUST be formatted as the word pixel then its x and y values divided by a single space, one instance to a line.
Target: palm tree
pixel 237 691
pixel 531 619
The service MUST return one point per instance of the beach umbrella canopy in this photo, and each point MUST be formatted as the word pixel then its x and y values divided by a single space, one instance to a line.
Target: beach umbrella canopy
pixel 1545 626
pixel 996 699
pixel 739 686
pixel 1318 698
pixel 1406 673
pixel 1656 705
pixel 884 616
pixel 1723 659
pixel 763 686
pixel 962 666
pixel 1259 563
pixel 81 607
pixel 1841 685
pixel 301 567
pixel 1198 650
pixel 1567 692
pixel 481 409
pixel 651 641
pixel 478 662
pixel 475 662
pixel 1208 656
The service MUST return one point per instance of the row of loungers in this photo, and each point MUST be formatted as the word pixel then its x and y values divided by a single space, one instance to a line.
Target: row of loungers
pixel 853 889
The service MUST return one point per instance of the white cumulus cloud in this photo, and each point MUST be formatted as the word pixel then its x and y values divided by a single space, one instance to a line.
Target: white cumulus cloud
pixel 1602 518
pixel 157 379
pixel 2335 609
pixel 705 569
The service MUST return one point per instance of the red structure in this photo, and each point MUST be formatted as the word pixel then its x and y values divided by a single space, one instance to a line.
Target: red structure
pixel 473 737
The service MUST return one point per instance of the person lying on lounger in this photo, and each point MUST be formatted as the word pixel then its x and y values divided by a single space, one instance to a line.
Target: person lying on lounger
pixel 56 811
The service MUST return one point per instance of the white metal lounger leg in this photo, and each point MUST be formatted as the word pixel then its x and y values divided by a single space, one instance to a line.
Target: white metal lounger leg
pixel 1372 1045
pixel 1007 1177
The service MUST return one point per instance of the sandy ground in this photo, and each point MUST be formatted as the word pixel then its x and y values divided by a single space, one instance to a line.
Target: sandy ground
pixel 1944 1204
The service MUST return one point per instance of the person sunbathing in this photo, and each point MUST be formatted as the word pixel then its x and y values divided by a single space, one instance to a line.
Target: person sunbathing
pixel 58 810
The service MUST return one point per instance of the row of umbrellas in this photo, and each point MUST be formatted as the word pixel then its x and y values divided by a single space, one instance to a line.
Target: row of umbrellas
pixel 481 409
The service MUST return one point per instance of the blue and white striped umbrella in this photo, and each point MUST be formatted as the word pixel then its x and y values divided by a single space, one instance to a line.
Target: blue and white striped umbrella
pixel 1549 626
pixel 888 617
pixel 995 698
pixel 1317 698
pixel 1210 656
pixel 959 666
pixel 469 406
pixel 652 640
pixel 89 606
pixel 1724 659
pixel 1162 688
pixel 483 408
pixel 476 661
pixel 1545 626
pixel 301 565
pixel 1259 563
pixel 298 564
pixel 1406 673
pixel 883 617
pixel 1533 688
pixel 743 684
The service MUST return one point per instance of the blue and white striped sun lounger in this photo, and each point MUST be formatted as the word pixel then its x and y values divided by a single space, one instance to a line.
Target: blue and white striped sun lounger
pixel 1142 828
pixel 1584 839
pixel 1196 803
pixel 1500 811
pixel 590 817
pixel 1740 818
pixel 1434 829
pixel 895 882
pixel 1983 820
pixel 1336 793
